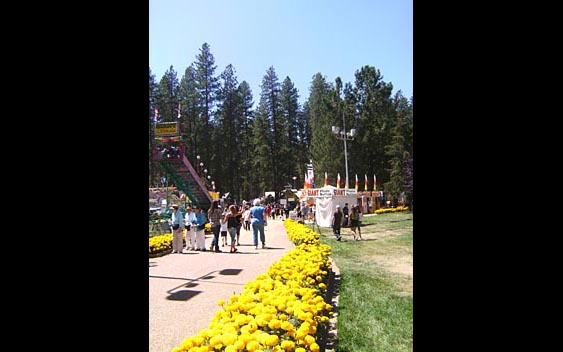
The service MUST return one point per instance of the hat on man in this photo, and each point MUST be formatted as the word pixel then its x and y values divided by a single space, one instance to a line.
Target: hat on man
pixel 337 206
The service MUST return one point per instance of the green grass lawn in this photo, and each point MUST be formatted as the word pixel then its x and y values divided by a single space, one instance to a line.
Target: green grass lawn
pixel 375 307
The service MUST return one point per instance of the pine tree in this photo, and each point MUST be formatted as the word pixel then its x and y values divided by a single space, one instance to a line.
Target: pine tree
pixel 373 120
pixel 272 117
pixel 289 147
pixel 245 158
pixel 206 86
pixel 189 110
pixel 153 166
pixel 227 139
pixel 167 96
pixel 325 111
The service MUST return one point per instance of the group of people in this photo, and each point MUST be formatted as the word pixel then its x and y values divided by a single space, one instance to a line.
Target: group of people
pixel 345 217
pixel 222 222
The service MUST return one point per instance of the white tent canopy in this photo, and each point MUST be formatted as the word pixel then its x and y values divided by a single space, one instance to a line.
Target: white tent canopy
pixel 326 200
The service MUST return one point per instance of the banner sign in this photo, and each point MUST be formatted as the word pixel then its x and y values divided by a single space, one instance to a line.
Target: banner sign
pixel 321 192
pixel 167 129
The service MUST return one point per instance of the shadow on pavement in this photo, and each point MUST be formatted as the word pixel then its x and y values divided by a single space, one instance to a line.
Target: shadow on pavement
pixel 182 295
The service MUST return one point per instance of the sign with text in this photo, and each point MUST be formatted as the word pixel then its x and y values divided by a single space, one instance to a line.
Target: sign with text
pixel 334 192
pixel 167 129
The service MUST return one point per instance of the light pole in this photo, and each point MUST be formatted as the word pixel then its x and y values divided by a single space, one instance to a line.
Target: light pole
pixel 345 136
pixel 165 184
pixel 294 178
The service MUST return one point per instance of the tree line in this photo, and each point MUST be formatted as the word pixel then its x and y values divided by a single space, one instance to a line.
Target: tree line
pixel 249 151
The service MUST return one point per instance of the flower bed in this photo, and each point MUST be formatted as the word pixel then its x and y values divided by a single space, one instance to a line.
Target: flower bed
pixel 160 245
pixel 391 210
pixel 281 310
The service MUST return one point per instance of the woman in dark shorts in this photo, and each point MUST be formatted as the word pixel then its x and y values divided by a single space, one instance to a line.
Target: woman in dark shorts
pixel 354 218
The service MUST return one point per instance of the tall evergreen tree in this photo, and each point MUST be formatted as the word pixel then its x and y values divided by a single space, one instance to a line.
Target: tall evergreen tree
pixel 288 149
pixel 189 109
pixel 206 86
pixel 261 178
pixel 153 166
pixel 227 138
pixel 245 157
pixel 324 109
pixel 167 96
pixel 373 120
pixel 400 150
pixel 271 111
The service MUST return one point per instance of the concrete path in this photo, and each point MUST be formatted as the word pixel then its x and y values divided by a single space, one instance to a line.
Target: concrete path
pixel 184 288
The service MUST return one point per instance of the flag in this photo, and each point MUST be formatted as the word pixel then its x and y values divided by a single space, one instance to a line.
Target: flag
pixel 306 182
pixel 326 179
pixel 374 183
pixel 179 108
pixel 311 175
pixel 338 180
pixel 155 114
pixel 366 182
pixel 357 183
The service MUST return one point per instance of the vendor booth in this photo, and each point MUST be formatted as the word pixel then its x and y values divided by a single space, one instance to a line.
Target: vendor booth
pixel 326 200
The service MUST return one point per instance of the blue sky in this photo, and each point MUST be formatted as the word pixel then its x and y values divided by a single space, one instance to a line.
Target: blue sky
pixel 299 38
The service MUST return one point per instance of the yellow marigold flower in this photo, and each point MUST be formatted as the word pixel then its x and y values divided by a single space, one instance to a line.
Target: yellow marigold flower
pixel 274 324
pixel 198 341
pixel 282 317
pixel 300 349
pixel 300 334
pixel 229 338
pixel 240 344
pixel 287 326
pixel 231 349
pixel 272 340
pixel 314 347
pixel 221 302
pixel 288 345
pixel 322 286
pixel 214 341
pixel 252 346
pixel 309 340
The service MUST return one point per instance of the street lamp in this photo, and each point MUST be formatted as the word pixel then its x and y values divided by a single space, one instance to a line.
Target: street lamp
pixel 345 136
pixel 165 184
pixel 294 178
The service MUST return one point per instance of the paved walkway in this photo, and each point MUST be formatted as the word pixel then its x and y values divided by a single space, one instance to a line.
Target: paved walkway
pixel 184 288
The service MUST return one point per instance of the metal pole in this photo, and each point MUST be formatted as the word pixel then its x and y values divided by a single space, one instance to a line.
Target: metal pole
pixel 345 150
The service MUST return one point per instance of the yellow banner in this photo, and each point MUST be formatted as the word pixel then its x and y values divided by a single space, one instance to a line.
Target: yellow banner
pixel 166 129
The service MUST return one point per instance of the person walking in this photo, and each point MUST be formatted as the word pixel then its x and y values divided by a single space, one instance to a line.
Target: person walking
pixel 232 225
pixel 214 215
pixel 354 216
pixel 360 219
pixel 337 222
pixel 189 219
pixel 258 220
pixel 224 228
pixel 239 224
pixel 199 227
pixel 345 210
pixel 246 217
pixel 177 229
